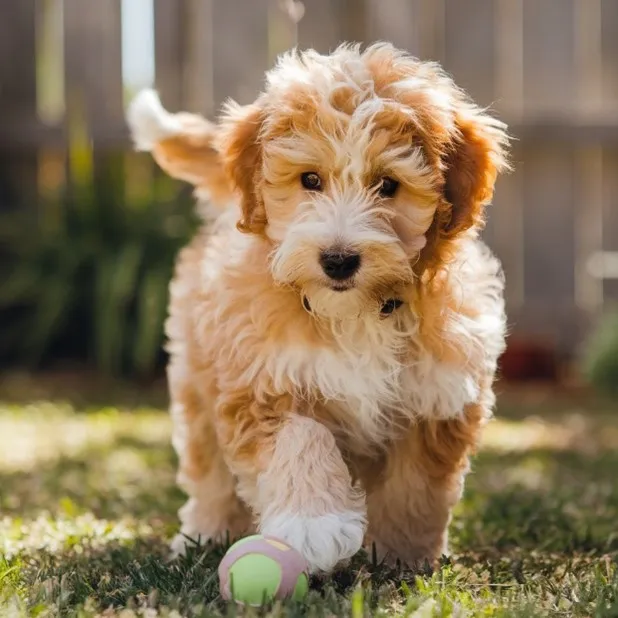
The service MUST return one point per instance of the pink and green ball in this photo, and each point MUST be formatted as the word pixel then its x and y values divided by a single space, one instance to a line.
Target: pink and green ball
pixel 259 569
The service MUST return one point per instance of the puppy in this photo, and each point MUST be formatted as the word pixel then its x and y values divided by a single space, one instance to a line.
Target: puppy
pixel 333 335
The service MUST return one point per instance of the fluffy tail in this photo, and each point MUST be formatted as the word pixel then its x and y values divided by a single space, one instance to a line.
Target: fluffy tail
pixel 183 145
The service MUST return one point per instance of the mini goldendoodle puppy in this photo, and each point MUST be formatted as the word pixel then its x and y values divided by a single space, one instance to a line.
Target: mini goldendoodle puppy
pixel 333 335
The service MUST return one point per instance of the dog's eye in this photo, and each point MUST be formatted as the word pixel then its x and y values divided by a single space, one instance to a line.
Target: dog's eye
pixel 311 181
pixel 388 187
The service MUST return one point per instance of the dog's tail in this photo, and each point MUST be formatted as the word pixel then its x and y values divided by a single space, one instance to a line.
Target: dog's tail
pixel 182 144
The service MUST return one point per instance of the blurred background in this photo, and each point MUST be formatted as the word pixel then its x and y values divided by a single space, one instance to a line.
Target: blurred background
pixel 89 230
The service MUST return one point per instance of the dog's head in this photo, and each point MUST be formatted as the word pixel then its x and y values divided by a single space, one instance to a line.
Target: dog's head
pixel 357 166
pixel 362 169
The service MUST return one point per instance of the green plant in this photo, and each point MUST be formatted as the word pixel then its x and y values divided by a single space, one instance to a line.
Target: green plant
pixel 88 279
pixel 601 355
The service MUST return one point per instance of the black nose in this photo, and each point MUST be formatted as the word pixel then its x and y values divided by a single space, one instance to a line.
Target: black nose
pixel 339 265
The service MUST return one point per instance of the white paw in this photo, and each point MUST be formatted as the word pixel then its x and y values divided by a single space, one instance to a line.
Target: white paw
pixel 324 540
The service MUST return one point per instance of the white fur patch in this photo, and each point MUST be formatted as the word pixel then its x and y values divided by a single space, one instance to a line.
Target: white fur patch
pixel 365 378
pixel 324 540
pixel 149 121
pixel 437 390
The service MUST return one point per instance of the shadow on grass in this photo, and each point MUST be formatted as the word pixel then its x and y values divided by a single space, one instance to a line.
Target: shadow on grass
pixel 123 574
pixel 540 500
pixel 141 574
pixel 132 477
pixel 83 390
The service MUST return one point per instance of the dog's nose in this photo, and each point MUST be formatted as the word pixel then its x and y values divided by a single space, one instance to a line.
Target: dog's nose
pixel 339 265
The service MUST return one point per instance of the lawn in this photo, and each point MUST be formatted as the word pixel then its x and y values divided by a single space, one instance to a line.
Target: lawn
pixel 88 503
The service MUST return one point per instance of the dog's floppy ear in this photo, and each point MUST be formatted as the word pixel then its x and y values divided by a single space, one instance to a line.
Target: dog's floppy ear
pixel 240 148
pixel 476 157
pixel 182 144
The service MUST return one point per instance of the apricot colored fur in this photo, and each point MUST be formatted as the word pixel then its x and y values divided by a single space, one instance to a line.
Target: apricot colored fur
pixel 301 409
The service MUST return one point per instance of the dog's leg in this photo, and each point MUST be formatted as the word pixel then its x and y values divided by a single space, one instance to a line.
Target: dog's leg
pixel 213 511
pixel 291 472
pixel 410 511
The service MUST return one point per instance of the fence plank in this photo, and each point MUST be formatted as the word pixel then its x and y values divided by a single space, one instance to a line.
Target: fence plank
pixel 353 20
pixel 241 51
pixel 505 234
pixel 17 101
pixel 18 57
pixel 588 57
pixel 470 47
pixel 319 28
pixel 587 224
pixel 548 56
pixel 610 216
pixel 588 216
pixel 609 48
pixel 169 51
pixel 549 171
pixel 197 70
pixel 327 23
pixel 414 25
pixel 405 31
pixel 549 259
pixel 93 60
pixel 549 209
pixel 509 60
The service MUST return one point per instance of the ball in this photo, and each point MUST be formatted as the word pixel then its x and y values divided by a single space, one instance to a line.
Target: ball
pixel 259 569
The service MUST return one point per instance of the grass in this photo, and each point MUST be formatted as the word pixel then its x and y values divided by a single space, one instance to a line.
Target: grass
pixel 88 504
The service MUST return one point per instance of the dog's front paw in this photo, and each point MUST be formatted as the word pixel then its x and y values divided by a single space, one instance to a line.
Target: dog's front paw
pixel 324 540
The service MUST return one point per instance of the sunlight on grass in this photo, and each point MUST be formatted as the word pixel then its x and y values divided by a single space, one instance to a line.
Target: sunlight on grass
pixel 572 432
pixel 88 504
pixel 109 462
pixel 45 432
pixel 66 532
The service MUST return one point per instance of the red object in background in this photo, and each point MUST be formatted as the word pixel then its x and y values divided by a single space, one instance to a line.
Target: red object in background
pixel 526 360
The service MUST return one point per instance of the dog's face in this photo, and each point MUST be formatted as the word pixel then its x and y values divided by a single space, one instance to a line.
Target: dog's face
pixel 361 169
pixel 356 166
pixel 347 195
pixel 347 199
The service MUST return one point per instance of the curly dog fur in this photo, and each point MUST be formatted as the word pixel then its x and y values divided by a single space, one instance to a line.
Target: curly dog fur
pixel 334 334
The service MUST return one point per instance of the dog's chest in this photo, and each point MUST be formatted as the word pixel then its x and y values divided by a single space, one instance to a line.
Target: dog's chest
pixel 368 381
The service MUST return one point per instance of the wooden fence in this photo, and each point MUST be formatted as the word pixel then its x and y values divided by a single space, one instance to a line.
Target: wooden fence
pixel 548 67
